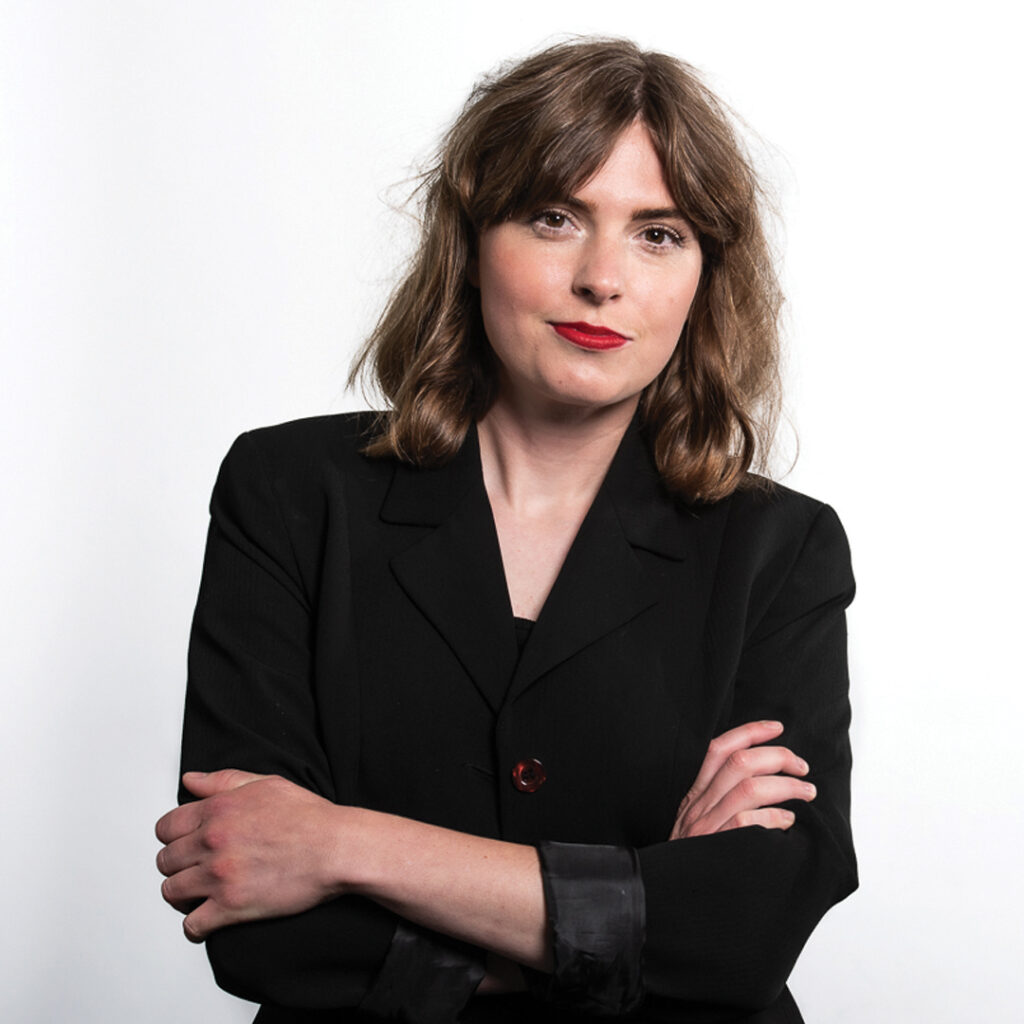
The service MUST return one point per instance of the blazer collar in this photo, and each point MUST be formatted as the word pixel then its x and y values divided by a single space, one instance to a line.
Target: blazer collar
pixel 648 514
pixel 650 517
pixel 455 576
pixel 427 497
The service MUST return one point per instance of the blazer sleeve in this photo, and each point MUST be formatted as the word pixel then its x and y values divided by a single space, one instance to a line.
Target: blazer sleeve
pixel 250 704
pixel 709 928
pixel 728 914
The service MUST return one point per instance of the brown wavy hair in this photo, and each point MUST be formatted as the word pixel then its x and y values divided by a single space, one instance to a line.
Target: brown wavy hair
pixel 530 134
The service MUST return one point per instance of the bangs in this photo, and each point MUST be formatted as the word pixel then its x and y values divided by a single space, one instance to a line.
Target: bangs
pixel 542 148
pixel 558 168
pixel 704 165
pixel 550 159
pixel 533 134
pixel 539 130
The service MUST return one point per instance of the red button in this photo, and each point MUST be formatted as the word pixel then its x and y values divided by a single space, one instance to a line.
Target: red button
pixel 528 775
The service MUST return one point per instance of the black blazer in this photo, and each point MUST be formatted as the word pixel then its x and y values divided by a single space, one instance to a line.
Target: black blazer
pixel 354 634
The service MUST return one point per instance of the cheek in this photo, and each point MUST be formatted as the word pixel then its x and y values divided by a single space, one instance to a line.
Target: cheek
pixel 672 309
pixel 517 290
pixel 682 301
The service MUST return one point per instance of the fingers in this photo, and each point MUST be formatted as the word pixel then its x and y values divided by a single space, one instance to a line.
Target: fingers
pixel 766 817
pixel 206 918
pixel 179 822
pixel 750 762
pixel 203 886
pixel 741 782
pixel 213 895
pixel 722 747
pixel 210 783
pixel 181 854
pixel 185 889
pixel 757 793
pixel 179 829
pixel 187 818
pixel 214 885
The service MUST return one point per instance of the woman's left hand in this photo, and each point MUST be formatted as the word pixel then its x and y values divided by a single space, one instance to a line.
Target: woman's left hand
pixel 741 782
pixel 254 846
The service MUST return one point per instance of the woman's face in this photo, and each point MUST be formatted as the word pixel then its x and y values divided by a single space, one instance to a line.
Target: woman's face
pixel 584 299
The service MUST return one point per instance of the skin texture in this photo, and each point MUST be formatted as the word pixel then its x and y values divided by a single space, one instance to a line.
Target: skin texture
pixel 260 846
pixel 618 255
pixel 256 847
pixel 738 782
pixel 598 257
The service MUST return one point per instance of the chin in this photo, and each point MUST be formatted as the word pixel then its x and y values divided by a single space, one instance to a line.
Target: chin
pixel 595 392
pixel 572 390
pixel 591 398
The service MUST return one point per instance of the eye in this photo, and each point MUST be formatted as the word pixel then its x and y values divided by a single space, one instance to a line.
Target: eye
pixel 659 237
pixel 551 221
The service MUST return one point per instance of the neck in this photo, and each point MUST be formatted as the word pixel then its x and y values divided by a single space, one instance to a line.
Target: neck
pixel 533 463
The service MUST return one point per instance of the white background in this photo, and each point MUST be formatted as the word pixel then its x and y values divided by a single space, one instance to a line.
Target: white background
pixel 195 237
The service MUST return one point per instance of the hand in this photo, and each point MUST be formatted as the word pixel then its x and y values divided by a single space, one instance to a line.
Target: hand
pixel 255 846
pixel 740 782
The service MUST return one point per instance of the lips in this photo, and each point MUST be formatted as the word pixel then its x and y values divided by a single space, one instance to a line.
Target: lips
pixel 590 336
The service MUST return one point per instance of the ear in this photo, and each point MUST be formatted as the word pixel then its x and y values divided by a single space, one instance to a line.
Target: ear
pixel 473 272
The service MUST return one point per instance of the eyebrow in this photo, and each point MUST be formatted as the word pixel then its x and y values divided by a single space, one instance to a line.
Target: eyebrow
pixel 651 213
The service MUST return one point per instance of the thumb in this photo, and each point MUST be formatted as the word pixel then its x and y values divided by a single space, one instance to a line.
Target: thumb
pixel 209 783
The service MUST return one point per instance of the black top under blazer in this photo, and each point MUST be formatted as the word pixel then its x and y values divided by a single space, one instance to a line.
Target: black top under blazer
pixel 354 634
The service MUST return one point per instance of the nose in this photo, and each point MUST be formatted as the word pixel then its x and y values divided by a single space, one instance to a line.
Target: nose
pixel 600 272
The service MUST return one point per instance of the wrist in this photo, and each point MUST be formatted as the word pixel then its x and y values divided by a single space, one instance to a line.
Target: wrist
pixel 351 857
pixel 385 857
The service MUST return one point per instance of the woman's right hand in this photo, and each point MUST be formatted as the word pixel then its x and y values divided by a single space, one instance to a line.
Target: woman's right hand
pixel 741 781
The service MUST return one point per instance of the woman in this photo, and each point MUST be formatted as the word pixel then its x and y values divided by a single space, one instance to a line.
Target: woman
pixel 454 668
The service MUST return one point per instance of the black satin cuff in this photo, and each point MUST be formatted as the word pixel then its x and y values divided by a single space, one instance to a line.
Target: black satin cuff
pixel 425 979
pixel 596 909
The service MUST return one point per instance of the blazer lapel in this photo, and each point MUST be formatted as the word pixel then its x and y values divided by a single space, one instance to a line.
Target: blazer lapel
pixel 454 573
pixel 604 583
pixel 455 576
pixel 601 586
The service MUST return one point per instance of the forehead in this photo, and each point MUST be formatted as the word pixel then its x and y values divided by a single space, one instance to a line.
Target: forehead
pixel 632 174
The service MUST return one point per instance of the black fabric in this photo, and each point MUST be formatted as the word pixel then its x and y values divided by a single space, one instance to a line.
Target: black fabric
pixel 523 628
pixel 425 979
pixel 353 633
pixel 595 904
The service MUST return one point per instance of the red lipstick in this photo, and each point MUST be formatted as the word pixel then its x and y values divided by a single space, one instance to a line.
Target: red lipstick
pixel 588 336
